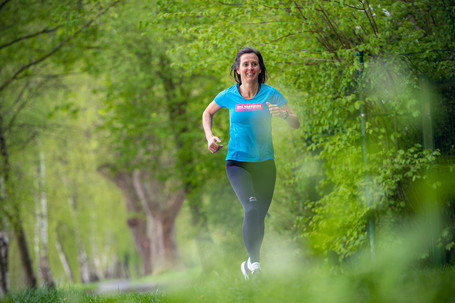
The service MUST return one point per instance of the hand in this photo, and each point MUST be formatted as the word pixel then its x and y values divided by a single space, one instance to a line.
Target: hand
pixel 213 146
pixel 275 110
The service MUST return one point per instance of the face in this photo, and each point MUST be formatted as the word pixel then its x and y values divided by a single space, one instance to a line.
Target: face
pixel 249 68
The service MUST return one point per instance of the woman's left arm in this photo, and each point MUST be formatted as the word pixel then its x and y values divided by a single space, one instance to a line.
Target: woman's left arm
pixel 286 113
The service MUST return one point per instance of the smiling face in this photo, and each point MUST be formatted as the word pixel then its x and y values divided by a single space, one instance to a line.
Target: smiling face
pixel 249 68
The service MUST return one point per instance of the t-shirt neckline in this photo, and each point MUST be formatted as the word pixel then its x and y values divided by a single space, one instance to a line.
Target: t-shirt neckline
pixel 238 91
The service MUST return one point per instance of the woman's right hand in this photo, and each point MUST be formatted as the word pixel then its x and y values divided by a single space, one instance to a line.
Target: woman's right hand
pixel 213 144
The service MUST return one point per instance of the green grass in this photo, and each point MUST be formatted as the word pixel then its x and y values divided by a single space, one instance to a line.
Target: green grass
pixel 44 295
pixel 313 284
pixel 389 282
pixel 395 274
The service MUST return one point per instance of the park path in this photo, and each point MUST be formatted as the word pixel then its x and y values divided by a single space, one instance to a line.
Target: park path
pixel 125 285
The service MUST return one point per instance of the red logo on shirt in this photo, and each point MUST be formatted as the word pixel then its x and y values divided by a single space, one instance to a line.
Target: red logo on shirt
pixel 245 107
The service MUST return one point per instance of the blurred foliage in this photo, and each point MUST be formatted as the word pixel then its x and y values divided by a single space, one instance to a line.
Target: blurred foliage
pixel 152 68
pixel 311 51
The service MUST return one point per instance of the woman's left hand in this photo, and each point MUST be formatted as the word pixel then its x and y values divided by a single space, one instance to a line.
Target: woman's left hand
pixel 275 110
pixel 285 113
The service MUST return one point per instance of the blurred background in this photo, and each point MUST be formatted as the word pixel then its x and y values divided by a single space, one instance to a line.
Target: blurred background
pixel 105 173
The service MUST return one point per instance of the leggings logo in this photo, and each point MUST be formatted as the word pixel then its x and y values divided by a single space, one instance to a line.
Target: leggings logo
pixel 252 199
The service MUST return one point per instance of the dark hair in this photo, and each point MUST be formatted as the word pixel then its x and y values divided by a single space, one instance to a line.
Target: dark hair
pixel 248 50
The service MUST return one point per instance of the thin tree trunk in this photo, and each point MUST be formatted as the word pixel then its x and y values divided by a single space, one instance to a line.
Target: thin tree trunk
pixel 44 265
pixel 84 266
pixel 37 227
pixel 64 259
pixel 4 273
pixel 4 244
pixel 4 241
pixel 24 252
pixel 97 258
pixel 15 221
pixel 86 271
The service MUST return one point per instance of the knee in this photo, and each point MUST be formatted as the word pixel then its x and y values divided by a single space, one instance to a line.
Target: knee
pixel 251 208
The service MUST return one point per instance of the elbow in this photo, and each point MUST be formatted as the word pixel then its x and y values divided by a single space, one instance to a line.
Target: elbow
pixel 205 115
pixel 295 123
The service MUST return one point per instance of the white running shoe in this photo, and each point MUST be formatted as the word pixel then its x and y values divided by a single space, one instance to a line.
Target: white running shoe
pixel 249 268
pixel 253 267
pixel 245 271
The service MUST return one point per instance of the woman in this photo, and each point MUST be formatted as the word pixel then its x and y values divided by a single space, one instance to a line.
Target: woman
pixel 250 164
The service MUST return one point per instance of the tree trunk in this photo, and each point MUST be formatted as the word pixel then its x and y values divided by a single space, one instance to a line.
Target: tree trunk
pixel 15 221
pixel 152 217
pixel 138 228
pixel 4 245
pixel 98 256
pixel 84 266
pixel 86 271
pixel 4 273
pixel 43 249
pixel 26 260
pixel 161 209
pixel 136 218
pixel 63 258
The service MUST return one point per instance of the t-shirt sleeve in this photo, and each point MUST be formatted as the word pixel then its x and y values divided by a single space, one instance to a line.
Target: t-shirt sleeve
pixel 220 99
pixel 279 99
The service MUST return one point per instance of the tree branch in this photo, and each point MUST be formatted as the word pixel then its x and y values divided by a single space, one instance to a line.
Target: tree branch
pixel 3 3
pixel 18 99
pixel 44 31
pixel 370 18
pixel 300 11
pixel 232 4
pixel 330 24
pixel 265 22
pixel 55 49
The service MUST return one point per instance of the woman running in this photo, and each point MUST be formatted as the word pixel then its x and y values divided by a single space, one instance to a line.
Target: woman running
pixel 250 164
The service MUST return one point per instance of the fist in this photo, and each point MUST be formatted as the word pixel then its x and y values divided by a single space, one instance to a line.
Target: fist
pixel 213 145
pixel 274 110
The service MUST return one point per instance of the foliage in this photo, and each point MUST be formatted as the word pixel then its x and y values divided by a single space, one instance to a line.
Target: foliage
pixel 312 53
pixel 154 66
pixel 40 49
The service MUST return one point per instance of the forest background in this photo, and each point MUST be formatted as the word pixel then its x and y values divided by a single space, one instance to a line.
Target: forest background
pixel 104 167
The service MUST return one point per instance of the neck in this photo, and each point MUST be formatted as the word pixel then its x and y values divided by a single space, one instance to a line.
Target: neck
pixel 249 90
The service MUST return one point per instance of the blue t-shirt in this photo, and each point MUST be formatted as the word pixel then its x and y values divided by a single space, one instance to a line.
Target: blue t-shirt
pixel 250 123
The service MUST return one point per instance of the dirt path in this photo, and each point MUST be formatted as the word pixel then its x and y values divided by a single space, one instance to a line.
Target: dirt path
pixel 125 285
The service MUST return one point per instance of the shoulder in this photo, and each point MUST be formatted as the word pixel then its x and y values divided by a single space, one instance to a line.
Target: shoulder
pixel 224 97
pixel 273 94
pixel 269 88
pixel 227 91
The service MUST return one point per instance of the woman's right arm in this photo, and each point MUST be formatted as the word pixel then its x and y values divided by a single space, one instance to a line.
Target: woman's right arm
pixel 207 116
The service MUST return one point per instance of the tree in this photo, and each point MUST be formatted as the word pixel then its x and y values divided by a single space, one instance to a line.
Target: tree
pixel 30 36
pixel 153 116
